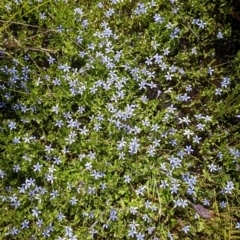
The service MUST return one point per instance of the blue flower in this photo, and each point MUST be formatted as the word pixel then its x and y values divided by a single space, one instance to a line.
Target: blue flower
pixel 25 224
pixel 238 225
pixel 60 29
pixel 229 187
pixel 186 229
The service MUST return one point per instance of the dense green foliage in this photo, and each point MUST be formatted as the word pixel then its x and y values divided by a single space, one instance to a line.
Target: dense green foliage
pixel 119 119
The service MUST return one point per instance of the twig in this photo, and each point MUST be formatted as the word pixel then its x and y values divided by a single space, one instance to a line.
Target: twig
pixel 189 27
pixel 25 24
pixel 18 45
pixel 191 30
pixel 40 50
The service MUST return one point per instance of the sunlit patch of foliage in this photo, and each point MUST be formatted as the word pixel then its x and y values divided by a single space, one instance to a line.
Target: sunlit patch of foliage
pixel 120 119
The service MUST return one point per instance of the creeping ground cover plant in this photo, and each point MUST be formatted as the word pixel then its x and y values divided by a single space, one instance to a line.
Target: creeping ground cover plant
pixel 119 119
